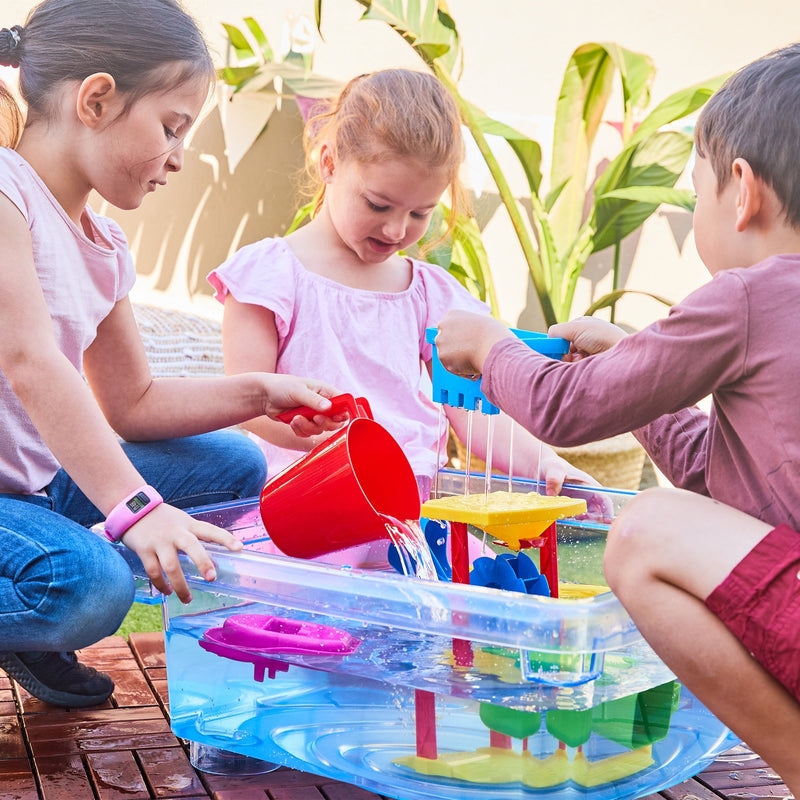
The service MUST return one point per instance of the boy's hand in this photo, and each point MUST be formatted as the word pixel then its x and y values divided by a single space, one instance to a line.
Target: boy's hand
pixel 587 336
pixel 158 537
pixel 465 339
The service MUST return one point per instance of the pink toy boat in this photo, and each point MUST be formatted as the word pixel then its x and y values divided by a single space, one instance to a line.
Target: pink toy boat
pixel 242 634
pixel 279 635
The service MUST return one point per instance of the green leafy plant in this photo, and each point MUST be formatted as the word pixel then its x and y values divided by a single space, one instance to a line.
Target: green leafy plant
pixel 258 70
pixel 560 236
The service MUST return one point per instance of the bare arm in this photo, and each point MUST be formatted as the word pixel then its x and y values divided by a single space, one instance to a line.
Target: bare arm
pixel 48 386
pixel 142 408
pixel 250 344
pixel 72 424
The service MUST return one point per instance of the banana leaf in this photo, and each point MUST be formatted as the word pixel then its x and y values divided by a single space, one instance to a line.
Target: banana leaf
pixel 426 26
pixel 656 162
pixel 585 91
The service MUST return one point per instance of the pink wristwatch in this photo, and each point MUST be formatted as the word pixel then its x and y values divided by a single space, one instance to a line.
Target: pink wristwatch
pixel 135 506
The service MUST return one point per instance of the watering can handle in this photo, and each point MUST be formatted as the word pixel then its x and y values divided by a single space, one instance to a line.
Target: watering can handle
pixel 354 406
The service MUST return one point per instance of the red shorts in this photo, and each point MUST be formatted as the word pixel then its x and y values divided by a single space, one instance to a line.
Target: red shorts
pixel 759 601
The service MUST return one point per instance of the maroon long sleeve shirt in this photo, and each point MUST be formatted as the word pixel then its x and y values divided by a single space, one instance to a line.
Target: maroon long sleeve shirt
pixel 736 339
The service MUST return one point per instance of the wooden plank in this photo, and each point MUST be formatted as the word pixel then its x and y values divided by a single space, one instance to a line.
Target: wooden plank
pixel 688 790
pixel 240 794
pixel 41 726
pixel 296 793
pixel 131 689
pixel 116 729
pixel 280 778
pixel 162 693
pixel 169 772
pixel 17 780
pixel 63 778
pixel 733 779
pixel 116 776
pixel 344 791
pixel 12 745
pixel 131 741
pixel 738 757
pixel 149 649
pixel 778 790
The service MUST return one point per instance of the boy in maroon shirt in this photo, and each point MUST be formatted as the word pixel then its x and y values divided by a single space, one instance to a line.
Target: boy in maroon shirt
pixel 710 572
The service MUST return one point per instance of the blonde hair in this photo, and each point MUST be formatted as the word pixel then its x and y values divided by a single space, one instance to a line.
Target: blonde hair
pixel 398 112
pixel 11 119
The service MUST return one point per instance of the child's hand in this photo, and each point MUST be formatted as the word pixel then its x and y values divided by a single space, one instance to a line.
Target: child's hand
pixel 587 335
pixel 465 339
pixel 158 537
pixel 285 392
pixel 555 471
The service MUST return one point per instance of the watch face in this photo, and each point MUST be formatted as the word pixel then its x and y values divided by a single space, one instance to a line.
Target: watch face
pixel 138 502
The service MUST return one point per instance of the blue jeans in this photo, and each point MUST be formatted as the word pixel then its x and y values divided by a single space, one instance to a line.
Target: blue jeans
pixel 63 587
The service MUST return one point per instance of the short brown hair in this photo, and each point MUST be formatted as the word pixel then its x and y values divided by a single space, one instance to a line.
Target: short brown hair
pixel 755 115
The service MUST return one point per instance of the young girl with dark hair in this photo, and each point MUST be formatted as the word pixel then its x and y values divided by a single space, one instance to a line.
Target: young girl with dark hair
pixel 111 90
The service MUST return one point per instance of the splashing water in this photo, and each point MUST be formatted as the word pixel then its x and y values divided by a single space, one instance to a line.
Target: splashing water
pixel 408 538
pixel 435 492
pixel 511 456
pixel 468 454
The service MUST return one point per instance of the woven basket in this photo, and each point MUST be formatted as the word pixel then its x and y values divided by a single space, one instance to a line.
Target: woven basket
pixel 178 343
pixel 615 463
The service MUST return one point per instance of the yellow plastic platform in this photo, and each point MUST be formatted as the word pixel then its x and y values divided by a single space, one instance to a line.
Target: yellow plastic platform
pixel 510 517
pixel 497 765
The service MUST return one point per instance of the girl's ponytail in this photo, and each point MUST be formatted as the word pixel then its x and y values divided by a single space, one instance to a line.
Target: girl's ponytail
pixel 11 119
pixel 10 46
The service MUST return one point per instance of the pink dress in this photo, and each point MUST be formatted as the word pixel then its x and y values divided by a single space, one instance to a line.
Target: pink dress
pixel 370 344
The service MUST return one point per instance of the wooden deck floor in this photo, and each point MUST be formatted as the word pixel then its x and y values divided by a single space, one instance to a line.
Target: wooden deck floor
pixel 125 750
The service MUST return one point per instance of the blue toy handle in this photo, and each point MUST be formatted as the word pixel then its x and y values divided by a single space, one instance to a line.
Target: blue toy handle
pixel 453 390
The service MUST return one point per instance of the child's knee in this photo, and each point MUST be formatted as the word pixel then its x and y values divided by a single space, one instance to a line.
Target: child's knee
pixel 630 539
pixel 240 459
pixel 93 605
